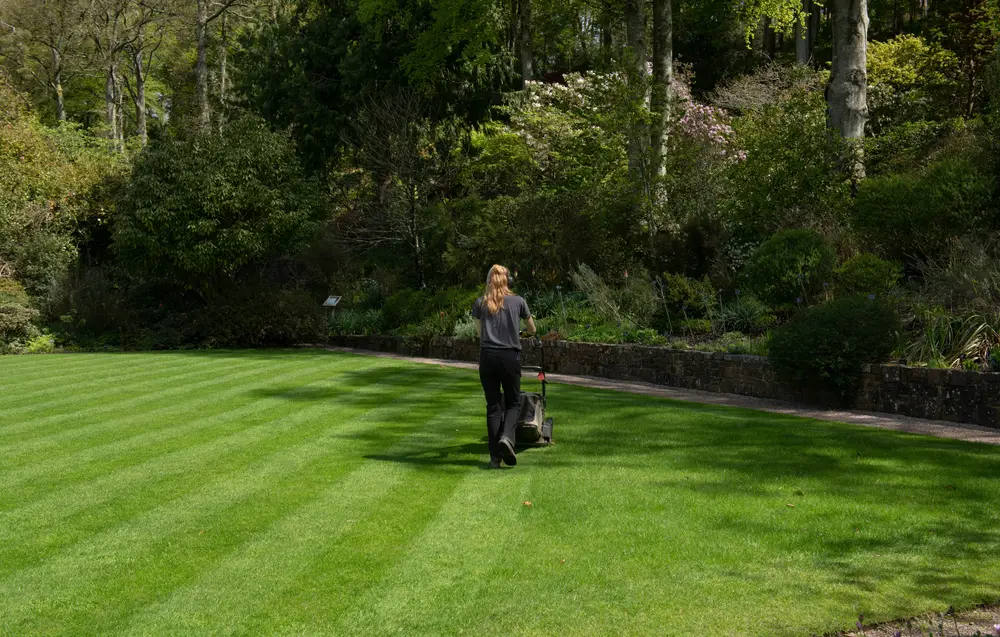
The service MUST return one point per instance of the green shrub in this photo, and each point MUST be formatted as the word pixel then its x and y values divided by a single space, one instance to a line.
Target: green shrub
pixel 946 339
pixel 735 343
pixel 351 322
pixel 866 274
pixel 681 294
pixel 440 311
pixel 792 175
pixel 250 318
pixel 910 79
pixel 41 344
pixel 790 267
pixel 17 325
pixel 916 214
pixel 632 302
pixel 600 296
pixel 465 329
pixel 971 365
pixel 746 314
pixel 13 292
pixel 406 307
pixel 966 278
pixel 824 348
pixel 616 335
pixel 695 327
pixel 205 207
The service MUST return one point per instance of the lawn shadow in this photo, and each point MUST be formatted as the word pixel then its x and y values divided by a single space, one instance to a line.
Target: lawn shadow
pixel 374 386
pixel 880 476
pixel 445 457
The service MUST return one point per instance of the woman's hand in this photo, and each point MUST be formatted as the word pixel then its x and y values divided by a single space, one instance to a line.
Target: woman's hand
pixel 531 326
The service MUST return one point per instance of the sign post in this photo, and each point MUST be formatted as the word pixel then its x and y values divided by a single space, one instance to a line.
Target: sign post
pixel 331 302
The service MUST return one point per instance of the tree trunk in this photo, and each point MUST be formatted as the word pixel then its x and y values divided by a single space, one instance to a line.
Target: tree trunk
pixel 57 85
pixel 512 30
pixel 847 92
pixel 140 92
pixel 770 39
pixel 418 254
pixel 201 67
pixel 110 110
pixel 663 77
pixel 527 51
pixel 814 20
pixel 635 27
pixel 119 111
pixel 223 66
pixel 803 52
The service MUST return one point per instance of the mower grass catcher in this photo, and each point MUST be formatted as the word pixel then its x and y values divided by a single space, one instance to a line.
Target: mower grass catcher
pixel 533 428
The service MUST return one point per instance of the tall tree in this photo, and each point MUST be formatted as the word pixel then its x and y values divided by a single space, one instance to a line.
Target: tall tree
pixel 635 27
pixel 526 42
pixel 206 13
pixel 145 28
pixel 847 91
pixel 803 50
pixel 108 33
pixel 663 77
pixel 48 37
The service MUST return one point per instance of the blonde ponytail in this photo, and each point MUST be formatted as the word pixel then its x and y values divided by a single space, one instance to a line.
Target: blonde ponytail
pixel 497 287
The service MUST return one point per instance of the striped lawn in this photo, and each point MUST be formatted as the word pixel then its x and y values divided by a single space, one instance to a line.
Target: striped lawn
pixel 313 493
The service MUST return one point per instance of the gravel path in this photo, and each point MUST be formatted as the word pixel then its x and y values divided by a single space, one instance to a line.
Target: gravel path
pixel 940 429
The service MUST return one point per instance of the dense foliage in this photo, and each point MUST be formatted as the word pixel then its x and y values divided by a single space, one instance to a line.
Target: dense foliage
pixel 172 177
pixel 791 267
pixel 824 349
pixel 198 212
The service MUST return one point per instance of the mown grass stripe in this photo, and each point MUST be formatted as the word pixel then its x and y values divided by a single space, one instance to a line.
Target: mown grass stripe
pixel 66 426
pixel 138 397
pixel 83 427
pixel 332 584
pixel 109 370
pixel 68 361
pixel 259 573
pixel 110 386
pixel 101 557
pixel 453 558
pixel 139 483
pixel 56 461
pixel 14 381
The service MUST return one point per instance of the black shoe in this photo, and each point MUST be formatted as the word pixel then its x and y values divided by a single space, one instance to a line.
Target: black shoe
pixel 507 451
pixel 494 464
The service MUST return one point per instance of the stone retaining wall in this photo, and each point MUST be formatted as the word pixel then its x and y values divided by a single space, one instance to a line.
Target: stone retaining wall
pixel 936 394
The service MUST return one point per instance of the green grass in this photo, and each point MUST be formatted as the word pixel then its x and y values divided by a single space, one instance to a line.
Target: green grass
pixel 312 493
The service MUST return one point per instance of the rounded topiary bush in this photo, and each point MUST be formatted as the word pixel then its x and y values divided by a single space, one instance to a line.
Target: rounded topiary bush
pixel 823 349
pixel 790 267
pixel 867 274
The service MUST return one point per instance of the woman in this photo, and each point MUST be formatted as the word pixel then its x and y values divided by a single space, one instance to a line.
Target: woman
pixel 498 317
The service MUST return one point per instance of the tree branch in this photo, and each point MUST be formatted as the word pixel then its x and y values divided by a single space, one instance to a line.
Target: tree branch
pixel 224 5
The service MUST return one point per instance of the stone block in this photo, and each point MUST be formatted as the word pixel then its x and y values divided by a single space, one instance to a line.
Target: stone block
pixel 937 377
pixel 915 375
pixel 890 373
pixel 958 378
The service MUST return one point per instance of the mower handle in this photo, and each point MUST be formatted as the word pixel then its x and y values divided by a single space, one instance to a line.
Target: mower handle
pixel 533 339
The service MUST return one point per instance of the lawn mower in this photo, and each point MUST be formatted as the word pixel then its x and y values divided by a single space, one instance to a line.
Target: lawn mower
pixel 533 428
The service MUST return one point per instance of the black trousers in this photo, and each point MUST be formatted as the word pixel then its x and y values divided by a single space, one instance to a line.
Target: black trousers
pixel 500 369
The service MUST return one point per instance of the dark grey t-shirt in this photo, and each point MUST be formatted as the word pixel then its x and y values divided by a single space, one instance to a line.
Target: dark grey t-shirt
pixel 501 331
